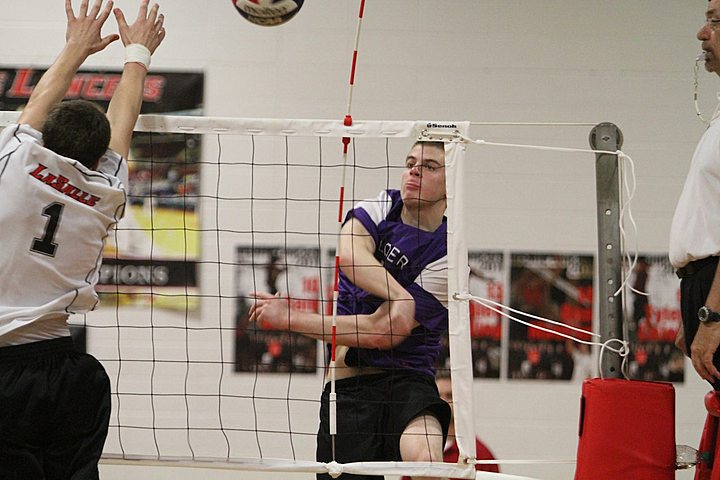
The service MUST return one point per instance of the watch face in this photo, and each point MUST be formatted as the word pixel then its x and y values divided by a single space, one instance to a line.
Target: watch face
pixel 707 315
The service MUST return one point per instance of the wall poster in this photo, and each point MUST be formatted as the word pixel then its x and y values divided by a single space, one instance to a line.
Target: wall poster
pixel 654 320
pixel 558 287
pixel 292 272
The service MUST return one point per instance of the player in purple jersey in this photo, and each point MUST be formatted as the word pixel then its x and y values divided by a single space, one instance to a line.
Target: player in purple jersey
pixel 392 310
pixel 61 181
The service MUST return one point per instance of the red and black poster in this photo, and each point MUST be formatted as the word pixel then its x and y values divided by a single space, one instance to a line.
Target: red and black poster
pixel 487 281
pixel 165 92
pixel 654 319
pixel 294 273
pixel 558 287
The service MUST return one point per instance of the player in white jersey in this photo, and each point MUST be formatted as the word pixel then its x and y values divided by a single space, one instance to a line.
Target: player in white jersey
pixel 50 200
pixel 62 183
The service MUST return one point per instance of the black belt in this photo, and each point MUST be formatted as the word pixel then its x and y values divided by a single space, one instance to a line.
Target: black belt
pixel 693 267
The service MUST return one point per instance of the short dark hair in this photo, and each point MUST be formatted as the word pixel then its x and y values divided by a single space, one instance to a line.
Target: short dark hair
pixel 77 129
pixel 440 145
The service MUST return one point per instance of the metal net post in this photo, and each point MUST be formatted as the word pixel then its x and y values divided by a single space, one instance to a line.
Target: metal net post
pixel 608 137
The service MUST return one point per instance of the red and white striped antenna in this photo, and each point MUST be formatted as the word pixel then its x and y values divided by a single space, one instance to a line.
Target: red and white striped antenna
pixel 346 142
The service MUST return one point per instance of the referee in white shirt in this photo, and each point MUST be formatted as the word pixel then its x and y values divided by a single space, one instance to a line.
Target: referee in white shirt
pixel 695 232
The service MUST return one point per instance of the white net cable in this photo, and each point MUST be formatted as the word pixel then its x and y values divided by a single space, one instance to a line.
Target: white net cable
pixel 623 350
pixel 631 256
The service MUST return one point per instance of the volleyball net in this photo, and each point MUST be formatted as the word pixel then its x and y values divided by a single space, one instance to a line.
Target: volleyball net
pixel 219 208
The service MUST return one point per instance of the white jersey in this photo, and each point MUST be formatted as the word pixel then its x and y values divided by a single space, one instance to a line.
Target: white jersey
pixel 54 215
pixel 695 231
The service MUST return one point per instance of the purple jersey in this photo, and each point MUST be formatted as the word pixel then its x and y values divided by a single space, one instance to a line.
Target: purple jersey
pixel 418 261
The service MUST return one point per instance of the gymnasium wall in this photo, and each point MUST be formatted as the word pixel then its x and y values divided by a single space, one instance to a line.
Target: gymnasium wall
pixel 566 61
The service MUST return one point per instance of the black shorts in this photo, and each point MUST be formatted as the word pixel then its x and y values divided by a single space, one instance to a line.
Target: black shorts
pixel 372 413
pixel 54 412
pixel 694 290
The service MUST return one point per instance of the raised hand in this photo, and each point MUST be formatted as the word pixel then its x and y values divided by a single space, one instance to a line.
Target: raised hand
pixel 84 29
pixel 147 29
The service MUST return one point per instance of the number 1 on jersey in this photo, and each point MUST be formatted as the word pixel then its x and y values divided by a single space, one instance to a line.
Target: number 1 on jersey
pixel 45 244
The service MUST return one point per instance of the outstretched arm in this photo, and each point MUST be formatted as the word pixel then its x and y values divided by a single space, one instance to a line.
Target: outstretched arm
pixel 146 32
pixel 707 338
pixel 82 39
pixel 385 328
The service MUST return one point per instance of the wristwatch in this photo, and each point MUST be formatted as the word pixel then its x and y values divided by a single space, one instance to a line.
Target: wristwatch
pixel 705 315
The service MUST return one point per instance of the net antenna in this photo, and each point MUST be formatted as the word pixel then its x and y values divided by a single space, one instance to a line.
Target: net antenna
pixel 347 121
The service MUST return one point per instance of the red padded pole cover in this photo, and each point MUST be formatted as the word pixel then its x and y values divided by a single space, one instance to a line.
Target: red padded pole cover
pixel 708 450
pixel 627 430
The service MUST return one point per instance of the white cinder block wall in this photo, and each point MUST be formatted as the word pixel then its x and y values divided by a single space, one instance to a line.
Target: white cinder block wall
pixel 624 61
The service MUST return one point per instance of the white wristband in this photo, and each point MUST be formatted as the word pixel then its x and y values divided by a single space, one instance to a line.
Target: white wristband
pixel 138 53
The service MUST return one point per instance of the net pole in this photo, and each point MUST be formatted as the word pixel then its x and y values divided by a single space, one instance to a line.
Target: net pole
pixel 346 142
pixel 608 137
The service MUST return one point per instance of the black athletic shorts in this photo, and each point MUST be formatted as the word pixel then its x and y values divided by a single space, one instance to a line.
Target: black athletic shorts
pixel 54 412
pixel 372 413
pixel 694 289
